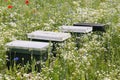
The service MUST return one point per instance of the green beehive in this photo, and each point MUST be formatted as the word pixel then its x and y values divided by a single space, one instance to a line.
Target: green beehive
pixel 48 36
pixel 22 52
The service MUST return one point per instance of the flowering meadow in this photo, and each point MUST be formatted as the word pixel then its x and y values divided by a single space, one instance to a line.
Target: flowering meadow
pixel 98 55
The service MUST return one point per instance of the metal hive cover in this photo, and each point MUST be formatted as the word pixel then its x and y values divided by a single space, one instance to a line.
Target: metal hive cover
pixel 48 35
pixel 96 26
pixel 89 24
pixel 80 29
pixel 18 44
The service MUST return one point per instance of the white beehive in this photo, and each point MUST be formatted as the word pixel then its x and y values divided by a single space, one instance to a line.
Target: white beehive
pixel 19 44
pixel 49 36
pixel 75 29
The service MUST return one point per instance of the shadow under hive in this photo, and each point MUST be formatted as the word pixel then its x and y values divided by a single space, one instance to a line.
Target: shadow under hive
pixel 23 52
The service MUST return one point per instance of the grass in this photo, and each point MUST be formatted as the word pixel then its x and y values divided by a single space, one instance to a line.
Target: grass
pixel 98 55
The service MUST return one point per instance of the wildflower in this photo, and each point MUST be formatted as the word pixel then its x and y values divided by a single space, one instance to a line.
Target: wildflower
pixel 1 60
pixel 106 78
pixel 1 76
pixel 26 75
pixel 85 59
pixel 52 21
pixel 26 2
pixel 16 59
pixel 12 24
pixel 76 3
pixel 10 6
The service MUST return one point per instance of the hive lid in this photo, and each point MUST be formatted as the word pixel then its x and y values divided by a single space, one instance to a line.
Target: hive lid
pixel 96 26
pixel 48 35
pixel 80 29
pixel 32 45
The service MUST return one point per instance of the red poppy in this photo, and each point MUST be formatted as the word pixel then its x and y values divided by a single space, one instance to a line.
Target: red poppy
pixel 10 6
pixel 26 2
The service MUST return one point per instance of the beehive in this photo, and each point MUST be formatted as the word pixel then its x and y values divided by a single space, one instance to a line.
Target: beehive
pixel 22 52
pixel 96 26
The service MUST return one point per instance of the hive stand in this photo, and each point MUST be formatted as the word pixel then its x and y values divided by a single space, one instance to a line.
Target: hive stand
pixel 48 36
pixel 96 27
pixel 21 52
pixel 76 31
